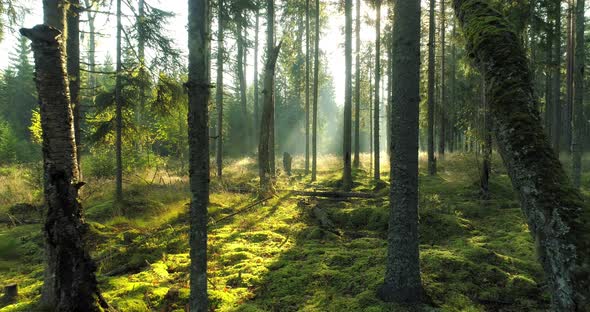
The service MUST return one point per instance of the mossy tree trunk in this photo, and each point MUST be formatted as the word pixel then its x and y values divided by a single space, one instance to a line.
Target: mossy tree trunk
pixel 402 278
pixel 70 283
pixel 198 87
pixel 553 208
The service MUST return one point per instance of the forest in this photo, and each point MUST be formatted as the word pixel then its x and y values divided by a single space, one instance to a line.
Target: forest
pixel 294 155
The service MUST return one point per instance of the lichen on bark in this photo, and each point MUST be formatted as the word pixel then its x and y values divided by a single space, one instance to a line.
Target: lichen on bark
pixel 556 213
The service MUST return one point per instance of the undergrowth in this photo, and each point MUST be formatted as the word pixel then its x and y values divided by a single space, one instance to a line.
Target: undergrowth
pixel 475 255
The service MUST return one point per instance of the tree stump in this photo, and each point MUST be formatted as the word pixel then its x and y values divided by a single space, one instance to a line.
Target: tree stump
pixel 287 161
pixel 10 293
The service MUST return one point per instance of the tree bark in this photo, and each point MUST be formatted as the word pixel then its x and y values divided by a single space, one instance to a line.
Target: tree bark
pixel 556 78
pixel 242 79
pixel 265 151
pixel 73 53
pixel 347 140
pixel 553 208
pixel 256 84
pixel 486 146
pixel 140 105
pixel 402 278
pixel 569 102
pixel 357 92
pixel 119 113
pixel 219 89
pixel 376 117
pixel 316 81
pixel 442 138
pixel 578 120
pixel 431 69
pixel 70 283
pixel 198 87
pixel 307 64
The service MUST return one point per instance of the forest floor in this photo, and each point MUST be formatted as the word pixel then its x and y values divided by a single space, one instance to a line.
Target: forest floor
pixel 276 256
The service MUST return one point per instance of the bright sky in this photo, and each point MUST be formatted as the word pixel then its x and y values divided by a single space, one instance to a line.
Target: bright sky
pixel 332 39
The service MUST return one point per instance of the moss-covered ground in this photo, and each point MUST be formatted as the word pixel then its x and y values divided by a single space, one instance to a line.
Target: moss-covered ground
pixel 475 255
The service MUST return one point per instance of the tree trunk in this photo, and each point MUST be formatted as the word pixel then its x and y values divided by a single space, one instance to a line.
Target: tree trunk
pixel 119 113
pixel 553 208
pixel 370 75
pixel 70 283
pixel 198 87
pixel 265 150
pixel 578 109
pixel 442 139
pixel 548 79
pixel 307 64
pixel 569 103
pixel 431 69
pixel 486 146
pixel 73 54
pixel 376 117
pixel 357 92
pixel 91 51
pixel 256 87
pixel 242 80
pixel 556 78
pixel 316 82
pixel 347 140
pixel 219 89
pixel 139 105
pixel 402 278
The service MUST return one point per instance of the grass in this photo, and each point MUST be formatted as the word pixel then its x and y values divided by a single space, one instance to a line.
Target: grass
pixel 475 255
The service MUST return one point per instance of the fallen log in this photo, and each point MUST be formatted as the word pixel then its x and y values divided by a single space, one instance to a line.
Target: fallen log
pixel 331 194
pixel 250 206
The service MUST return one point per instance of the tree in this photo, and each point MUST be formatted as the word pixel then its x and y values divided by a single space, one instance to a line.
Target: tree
pixel 240 67
pixel 347 146
pixel 198 86
pixel 431 69
pixel 316 82
pixel 377 118
pixel 265 151
pixel 70 283
pixel 569 85
pixel 256 84
pixel 554 210
pixel 443 92
pixel 357 91
pixel 307 64
pixel 486 139
pixel 556 77
pixel 73 54
pixel 402 278
pixel 578 109
pixel 119 112
pixel 219 87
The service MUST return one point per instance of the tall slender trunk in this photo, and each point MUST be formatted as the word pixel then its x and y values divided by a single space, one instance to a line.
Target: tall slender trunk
pixel 256 84
pixel 569 102
pixel 265 148
pixel 377 99
pixel 73 54
pixel 69 282
pixel 91 16
pixel 316 82
pixel 242 80
pixel 139 105
pixel 402 278
pixel 556 78
pixel 370 75
pixel 198 87
pixel 431 69
pixel 347 140
pixel 442 140
pixel 486 144
pixel 119 113
pixel 555 212
pixel 578 109
pixel 357 92
pixel 549 78
pixel 453 91
pixel 307 63
pixel 219 88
